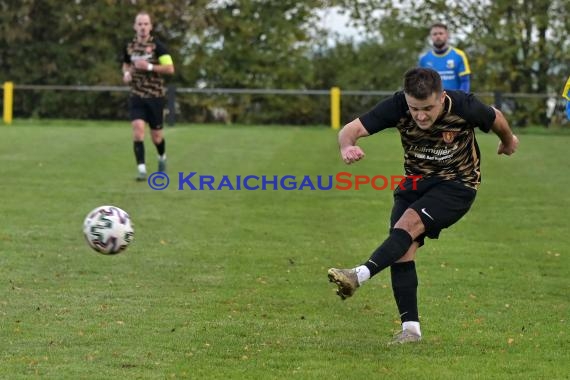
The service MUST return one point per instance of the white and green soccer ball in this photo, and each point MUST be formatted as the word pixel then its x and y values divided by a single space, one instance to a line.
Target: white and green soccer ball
pixel 108 230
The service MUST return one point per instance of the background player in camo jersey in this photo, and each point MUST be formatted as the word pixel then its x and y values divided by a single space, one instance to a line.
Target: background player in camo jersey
pixel 450 62
pixel 437 130
pixel 145 60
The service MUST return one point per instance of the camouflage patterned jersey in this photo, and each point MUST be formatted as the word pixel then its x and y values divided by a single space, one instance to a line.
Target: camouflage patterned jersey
pixel 448 149
pixel 146 84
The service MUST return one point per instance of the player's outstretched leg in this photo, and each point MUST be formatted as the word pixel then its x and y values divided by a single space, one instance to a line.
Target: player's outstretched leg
pixel 346 280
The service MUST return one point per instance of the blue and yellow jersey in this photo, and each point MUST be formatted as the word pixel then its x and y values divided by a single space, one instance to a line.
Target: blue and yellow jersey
pixel 451 66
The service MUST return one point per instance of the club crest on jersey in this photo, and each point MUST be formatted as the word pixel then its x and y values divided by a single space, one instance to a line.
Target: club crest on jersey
pixel 448 136
pixel 450 64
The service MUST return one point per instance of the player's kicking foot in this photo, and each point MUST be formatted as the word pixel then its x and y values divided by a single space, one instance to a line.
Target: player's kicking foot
pixel 346 280
pixel 405 336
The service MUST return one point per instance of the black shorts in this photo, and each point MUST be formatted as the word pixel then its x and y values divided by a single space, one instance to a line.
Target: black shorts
pixel 150 110
pixel 439 203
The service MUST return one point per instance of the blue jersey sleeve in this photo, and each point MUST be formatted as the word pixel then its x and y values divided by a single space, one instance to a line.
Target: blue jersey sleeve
pixel 465 83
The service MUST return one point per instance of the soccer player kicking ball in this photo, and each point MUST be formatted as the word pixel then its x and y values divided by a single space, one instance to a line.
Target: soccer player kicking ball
pixel 437 130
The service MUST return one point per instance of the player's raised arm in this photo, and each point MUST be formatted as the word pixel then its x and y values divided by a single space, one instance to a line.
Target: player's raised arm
pixel 509 142
pixel 347 138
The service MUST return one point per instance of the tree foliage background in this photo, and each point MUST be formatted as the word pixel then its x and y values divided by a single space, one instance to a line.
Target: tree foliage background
pixel 514 46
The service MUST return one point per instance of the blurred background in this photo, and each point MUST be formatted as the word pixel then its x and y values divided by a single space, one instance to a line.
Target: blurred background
pixel 275 61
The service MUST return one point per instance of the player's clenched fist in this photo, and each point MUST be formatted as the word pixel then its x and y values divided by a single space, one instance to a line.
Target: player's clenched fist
pixel 510 148
pixel 352 154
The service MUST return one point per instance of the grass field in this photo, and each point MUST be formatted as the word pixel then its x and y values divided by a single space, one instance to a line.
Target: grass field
pixel 232 284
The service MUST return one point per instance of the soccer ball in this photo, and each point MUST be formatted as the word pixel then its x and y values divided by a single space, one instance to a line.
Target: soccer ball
pixel 108 230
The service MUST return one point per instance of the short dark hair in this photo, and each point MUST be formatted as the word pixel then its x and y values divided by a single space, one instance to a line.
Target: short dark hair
pixel 438 25
pixel 421 83
pixel 143 13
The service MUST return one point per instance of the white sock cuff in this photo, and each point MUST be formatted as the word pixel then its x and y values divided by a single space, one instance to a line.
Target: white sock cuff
pixel 412 326
pixel 363 273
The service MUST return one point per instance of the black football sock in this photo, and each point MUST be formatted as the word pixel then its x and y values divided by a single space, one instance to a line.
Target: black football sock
pixel 161 147
pixel 405 287
pixel 393 248
pixel 139 152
